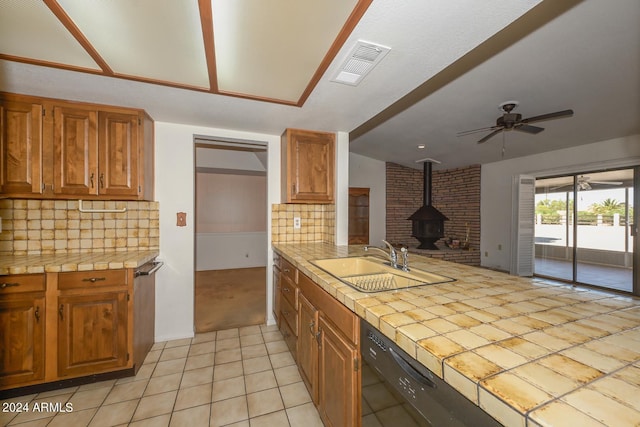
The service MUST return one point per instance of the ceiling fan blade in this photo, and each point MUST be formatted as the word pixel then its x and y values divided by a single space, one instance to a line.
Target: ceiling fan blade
pixel 491 135
pixel 469 132
pixel 561 186
pixel 528 128
pixel 606 182
pixel 549 116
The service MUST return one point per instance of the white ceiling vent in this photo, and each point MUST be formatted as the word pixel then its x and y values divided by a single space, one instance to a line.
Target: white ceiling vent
pixel 361 59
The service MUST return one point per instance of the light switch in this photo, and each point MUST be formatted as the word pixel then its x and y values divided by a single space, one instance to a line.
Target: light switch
pixel 182 219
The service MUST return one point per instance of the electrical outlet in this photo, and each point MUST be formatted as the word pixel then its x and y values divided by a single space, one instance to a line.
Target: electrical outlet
pixel 499 247
pixel 296 222
pixel 486 253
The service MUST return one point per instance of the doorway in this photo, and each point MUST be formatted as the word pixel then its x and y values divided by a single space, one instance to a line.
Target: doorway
pixel 585 228
pixel 231 234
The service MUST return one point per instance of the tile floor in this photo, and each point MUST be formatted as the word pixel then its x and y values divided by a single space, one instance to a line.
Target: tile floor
pixel 611 277
pixel 237 377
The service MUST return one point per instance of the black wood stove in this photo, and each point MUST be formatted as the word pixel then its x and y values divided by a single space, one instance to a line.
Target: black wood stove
pixel 427 222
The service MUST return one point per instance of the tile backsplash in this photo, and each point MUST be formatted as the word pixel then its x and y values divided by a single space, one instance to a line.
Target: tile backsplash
pixel 35 227
pixel 317 223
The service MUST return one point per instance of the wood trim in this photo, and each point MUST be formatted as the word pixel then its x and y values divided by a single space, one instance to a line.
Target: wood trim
pixel 343 35
pixel 206 21
pixel 77 34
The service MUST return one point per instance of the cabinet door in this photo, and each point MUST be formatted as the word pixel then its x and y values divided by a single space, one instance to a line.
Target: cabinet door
pixel 118 154
pixel 20 148
pixel 338 378
pixel 92 333
pixel 307 345
pixel 75 147
pixel 310 160
pixel 21 339
pixel 277 294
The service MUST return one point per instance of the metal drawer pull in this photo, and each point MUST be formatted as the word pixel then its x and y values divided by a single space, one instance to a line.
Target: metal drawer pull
pixel 94 279
pixel 286 289
pixel 101 180
pixel 91 179
pixel 61 311
pixel 37 313
pixel 8 285
pixel 311 326
pixel 286 270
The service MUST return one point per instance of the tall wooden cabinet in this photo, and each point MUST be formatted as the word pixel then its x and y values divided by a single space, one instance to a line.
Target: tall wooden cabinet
pixel 22 329
pixel 59 149
pixel 308 166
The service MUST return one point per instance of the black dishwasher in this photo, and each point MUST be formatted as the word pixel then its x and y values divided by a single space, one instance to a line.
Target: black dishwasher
pixel 398 390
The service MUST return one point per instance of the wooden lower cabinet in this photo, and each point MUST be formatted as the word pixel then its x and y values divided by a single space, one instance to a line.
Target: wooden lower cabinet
pixel 92 333
pixel 338 378
pixel 21 339
pixel 308 345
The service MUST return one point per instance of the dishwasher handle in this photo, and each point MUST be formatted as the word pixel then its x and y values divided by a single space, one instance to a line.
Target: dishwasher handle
pixel 156 267
pixel 410 370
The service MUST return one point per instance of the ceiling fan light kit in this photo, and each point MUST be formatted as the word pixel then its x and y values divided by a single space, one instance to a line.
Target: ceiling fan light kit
pixel 514 121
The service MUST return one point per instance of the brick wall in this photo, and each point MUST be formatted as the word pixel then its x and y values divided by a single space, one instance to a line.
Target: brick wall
pixel 455 193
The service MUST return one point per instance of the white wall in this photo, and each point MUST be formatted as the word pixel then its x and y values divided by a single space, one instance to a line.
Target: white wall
pixel 496 182
pixel 370 173
pixel 219 251
pixel 174 186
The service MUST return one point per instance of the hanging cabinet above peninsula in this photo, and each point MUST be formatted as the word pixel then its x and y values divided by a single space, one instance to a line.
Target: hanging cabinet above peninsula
pixel 308 166
pixel 56 149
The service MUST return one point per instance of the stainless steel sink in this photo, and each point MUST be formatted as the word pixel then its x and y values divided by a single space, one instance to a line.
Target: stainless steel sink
pixel 371 274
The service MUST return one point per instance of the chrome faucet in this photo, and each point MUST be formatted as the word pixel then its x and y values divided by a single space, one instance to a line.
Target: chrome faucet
pixel 393 255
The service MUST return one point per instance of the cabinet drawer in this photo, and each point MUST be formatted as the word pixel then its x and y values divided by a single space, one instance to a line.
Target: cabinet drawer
pixel 21 283
pixel 289 291
pixel 288 270
pixel 290 339
pixel 91 279
pixel 290 315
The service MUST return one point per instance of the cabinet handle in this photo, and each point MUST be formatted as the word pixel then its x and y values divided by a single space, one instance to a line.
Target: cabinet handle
pixel 286 289
pixel 286 270
pixel 8 285
pixel 37 313
pixel 91 179
pixel 285 313
pixel 102 180
pixel 61 311
pixel 311 326
pixel 94 279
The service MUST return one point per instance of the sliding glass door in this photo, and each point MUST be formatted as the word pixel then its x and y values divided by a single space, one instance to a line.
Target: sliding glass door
pixel 584 230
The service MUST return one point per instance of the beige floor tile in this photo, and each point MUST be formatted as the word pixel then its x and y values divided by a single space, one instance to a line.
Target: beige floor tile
pixel 226 356
pixel 158 346
pixel 202 348
pixel 112 415
pixel 264 402
pixel 227 370
pixel 287 375
pixel 126 391
pixel 247 340
pixel 244 423
pixel 260 381
pixel 254 351
pixel 153 356
pixel 272 336
pixel 42 422
pixel 163 384
pixel 160 421
pixel 199 361
pixel 169 367
pixel 204 337
pixel 227 333
pixel 305 416
pixel 229 411
pixel 276 347
pixel 87 399
pixel 250 330
pixel 269 328
pixel 197 377
pixel 257 364
pixel 193 396
pixel 280 360
pixel 152 406
pixel 227 344
pixel 178 343
pixel 192 417
pixel 171 353
pixel 228 388
pixel 52 393
pixel 294 394
pixel 145 371
pixel 100 384
pixel 75 418
pixel 270 420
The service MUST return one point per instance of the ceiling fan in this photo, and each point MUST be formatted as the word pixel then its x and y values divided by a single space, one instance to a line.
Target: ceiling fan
pixel 584 183
pixel 514 121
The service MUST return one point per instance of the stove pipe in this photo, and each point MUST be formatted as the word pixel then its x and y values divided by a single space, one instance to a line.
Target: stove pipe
pixel 427 222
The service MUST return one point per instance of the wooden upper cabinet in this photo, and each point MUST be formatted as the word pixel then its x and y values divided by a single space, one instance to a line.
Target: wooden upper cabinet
pixel 75 147
pixel 118 159
pixel 308 166
pixel 20 147
pixel 63 150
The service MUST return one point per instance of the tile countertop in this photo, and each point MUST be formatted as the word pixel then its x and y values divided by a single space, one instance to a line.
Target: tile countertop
pixel 530 352
pixel 56 263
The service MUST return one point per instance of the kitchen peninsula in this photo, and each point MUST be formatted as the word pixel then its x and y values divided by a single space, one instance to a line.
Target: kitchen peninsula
pixel 529 352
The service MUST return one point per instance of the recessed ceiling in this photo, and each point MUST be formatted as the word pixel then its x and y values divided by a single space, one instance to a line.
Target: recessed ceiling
pixel 274 50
